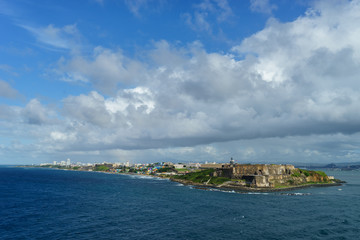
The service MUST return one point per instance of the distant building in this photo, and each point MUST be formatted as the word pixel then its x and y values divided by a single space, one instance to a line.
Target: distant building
pixel 214 165
pixel 168 164
pixel 68 162
pixel 117 164
pixel 45 164
pixel 179 166
pixel 193 165
pixel 54 162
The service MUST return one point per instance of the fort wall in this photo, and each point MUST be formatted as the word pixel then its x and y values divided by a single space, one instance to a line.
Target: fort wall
pixel 257 175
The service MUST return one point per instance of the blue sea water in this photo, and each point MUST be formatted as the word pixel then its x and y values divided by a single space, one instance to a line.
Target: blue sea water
pixel 54 204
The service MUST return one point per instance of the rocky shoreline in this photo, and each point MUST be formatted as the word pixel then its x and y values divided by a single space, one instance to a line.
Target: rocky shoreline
pixel 226 186
pixel 253 189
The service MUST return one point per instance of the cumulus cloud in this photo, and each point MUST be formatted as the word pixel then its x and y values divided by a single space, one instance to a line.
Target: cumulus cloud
pixel 6 91
pixel 281 85
pixel 105 70
pixel 297 78
pixel 36 113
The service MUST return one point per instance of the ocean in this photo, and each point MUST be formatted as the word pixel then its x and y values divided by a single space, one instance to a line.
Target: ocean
pixel 55 204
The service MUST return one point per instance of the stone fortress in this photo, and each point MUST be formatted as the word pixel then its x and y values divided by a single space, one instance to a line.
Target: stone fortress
pixel 264 175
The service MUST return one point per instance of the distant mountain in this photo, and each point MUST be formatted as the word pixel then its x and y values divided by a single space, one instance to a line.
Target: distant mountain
pixel 342 166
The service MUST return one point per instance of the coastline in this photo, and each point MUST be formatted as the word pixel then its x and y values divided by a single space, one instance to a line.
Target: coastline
pixel 79 170
pixel 250 189
pixel 211 186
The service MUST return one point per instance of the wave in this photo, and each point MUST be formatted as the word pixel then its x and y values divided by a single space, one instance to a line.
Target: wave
pixel 295 194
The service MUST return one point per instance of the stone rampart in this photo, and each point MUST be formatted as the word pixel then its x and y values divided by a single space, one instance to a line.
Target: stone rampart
pixel 257 175
pixel 240 170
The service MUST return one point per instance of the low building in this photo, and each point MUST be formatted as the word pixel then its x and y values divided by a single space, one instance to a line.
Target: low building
pixel 193 165
pixel 179 165
pixel 214 165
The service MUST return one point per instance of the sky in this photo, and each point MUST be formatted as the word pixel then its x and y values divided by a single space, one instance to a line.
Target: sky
pixel 262 81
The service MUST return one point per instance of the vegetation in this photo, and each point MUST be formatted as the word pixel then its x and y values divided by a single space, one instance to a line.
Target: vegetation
pixel 281 186
pixel 203 176
pixel 299 172
pixel 296 173
pixel 101 168
pixel 321 173
pixel 218 180
pixel 167 169
pixel 305 172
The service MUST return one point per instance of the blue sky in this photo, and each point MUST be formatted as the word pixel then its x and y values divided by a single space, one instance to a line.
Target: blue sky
pixel 206 80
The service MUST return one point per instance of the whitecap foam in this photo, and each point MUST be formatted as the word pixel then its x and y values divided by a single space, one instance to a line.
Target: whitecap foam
pixel 295 194
pixel 258 193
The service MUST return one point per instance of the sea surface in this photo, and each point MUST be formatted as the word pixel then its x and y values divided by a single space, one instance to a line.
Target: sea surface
pixel 55 204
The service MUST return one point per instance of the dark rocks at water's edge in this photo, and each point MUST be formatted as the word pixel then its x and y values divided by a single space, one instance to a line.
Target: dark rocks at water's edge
pixel 238 177
pixel 251 189
pixel 257 178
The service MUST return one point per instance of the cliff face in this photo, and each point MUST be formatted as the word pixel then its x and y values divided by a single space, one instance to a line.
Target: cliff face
pixel 264 175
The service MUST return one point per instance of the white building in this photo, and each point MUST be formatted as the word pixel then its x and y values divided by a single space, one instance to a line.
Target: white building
pixel 178 166
pixel 68 162
pixel 193 165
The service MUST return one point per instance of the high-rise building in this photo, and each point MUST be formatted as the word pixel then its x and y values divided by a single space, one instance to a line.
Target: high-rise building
pixel 68 162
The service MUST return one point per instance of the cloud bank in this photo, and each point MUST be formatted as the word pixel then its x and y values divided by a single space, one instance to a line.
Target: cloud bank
pixel 297 78
pixel 289 81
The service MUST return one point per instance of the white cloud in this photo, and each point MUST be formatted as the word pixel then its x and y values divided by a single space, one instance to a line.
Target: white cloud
pixel 262 6
pixel 6 91
pixel 136 6
pixel 8 69
pixel 287 85
pixel 60 136
pixel 106 70
pixel 290 86
pixel 55 38
pixel 199 20
pixel 35 113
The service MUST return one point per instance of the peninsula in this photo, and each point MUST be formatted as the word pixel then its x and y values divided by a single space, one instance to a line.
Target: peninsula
pixel 233 176
pixel 256 177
